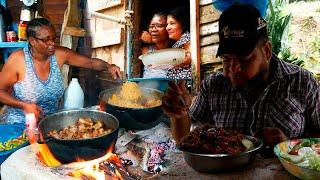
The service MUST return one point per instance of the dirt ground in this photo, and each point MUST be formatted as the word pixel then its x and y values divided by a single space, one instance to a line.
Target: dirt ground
pixel 305 33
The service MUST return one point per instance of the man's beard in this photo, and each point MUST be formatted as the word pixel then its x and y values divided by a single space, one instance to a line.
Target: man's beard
pixel 257 81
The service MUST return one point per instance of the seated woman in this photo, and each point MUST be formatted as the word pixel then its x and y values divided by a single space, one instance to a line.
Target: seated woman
pixel 159 39
pixel 177 27
pixel 31 79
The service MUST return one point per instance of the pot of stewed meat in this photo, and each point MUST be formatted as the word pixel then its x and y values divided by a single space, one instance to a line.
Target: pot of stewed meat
pixel 79 134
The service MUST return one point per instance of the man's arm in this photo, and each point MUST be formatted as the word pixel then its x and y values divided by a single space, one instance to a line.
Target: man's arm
pixel 176 102
pixel 177 105
pixel 180 127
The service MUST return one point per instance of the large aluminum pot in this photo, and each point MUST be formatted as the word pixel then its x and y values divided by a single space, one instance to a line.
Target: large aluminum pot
pixel 69 150
pixel 222 162
pixel 133 118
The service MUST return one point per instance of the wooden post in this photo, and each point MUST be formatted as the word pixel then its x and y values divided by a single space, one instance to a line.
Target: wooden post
pixel 195 43
pixel 70 32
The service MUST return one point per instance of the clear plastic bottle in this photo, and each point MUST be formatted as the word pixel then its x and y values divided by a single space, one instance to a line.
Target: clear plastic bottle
pixel 31 122
pixel 73 96
pixel 31 127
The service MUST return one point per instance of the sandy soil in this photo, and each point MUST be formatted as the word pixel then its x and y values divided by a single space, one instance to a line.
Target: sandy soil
pixel 305 32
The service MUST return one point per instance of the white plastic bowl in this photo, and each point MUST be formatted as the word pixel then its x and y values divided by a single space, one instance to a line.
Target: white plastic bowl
pixel 169 56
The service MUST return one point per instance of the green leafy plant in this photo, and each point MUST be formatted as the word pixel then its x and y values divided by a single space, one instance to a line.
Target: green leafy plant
pixel 278 22
pixel 316 44
pixel 286 55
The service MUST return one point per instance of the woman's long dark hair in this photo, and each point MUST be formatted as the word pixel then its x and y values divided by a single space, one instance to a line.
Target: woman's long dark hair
pixel 181 14
pixel 34 24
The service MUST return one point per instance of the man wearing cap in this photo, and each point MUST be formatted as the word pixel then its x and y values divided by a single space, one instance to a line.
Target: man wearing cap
pixel 257 93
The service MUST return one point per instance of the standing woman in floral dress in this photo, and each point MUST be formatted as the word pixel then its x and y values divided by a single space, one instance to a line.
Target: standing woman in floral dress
pixel 178 25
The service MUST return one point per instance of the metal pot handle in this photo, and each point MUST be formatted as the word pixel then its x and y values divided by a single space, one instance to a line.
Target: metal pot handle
pixel 116 109
pixel 120 111
pixel 45 141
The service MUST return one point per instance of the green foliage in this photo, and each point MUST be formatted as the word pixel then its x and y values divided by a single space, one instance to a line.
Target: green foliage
pixel 286 55
pixel 316 44
pixel 278 25
pixel 278 22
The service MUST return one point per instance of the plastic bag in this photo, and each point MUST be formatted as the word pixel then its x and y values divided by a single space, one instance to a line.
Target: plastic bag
pixel 222 5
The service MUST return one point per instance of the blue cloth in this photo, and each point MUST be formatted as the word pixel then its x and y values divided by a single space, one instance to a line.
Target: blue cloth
pixel 33 90
pixel 261 5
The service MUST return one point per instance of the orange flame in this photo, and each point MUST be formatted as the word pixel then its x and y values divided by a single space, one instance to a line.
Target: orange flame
pixel 84 169
pixel 45 156
pixel 91 170
pixel 41 150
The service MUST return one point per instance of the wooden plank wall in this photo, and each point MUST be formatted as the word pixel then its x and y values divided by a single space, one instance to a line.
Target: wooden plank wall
pixel 209 38
pixel 114 53
pixel 15 7
pixel 54 11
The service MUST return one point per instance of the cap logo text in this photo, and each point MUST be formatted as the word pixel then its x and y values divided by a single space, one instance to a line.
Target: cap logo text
pixel 261 23
pixel 235 33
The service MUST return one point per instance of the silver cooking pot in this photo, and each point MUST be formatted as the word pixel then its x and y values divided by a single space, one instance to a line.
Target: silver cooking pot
pixel 222 162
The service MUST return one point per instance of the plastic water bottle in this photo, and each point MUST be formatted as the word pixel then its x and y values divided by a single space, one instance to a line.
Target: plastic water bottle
pixel 73 96
pixel 31 127
pixel 31 121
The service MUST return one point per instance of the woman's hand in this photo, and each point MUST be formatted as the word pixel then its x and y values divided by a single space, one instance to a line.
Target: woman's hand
pixel 177 100
pixel 114 71
pixel 33 108
pixel 146 37
pixel 185 62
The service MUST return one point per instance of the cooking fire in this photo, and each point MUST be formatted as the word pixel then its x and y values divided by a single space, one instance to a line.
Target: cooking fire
pixel 106 167
pixel 110 166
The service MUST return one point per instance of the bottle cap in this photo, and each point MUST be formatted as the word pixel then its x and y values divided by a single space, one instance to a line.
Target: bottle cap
pixel 30 116
pixel 30 120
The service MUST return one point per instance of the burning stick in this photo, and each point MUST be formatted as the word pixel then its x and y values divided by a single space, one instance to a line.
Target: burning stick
pixel 106 167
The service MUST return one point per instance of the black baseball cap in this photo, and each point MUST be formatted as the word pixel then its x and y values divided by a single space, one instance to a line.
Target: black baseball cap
pixel 240 28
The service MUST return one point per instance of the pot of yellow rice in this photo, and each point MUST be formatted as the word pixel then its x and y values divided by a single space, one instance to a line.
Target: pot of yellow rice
pixel 135 107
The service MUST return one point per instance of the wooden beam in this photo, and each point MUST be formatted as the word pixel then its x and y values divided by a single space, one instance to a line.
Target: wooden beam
pixel 73 14
pixel 208 54
pixel 209 40
pixel 98 5
pixel 195 44
pixel 209 14
pixel 72 18
pixel 74 31
pixel 205 2
pixel 210 28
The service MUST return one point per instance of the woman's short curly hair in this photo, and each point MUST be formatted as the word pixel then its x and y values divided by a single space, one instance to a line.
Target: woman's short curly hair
pixel 34 24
